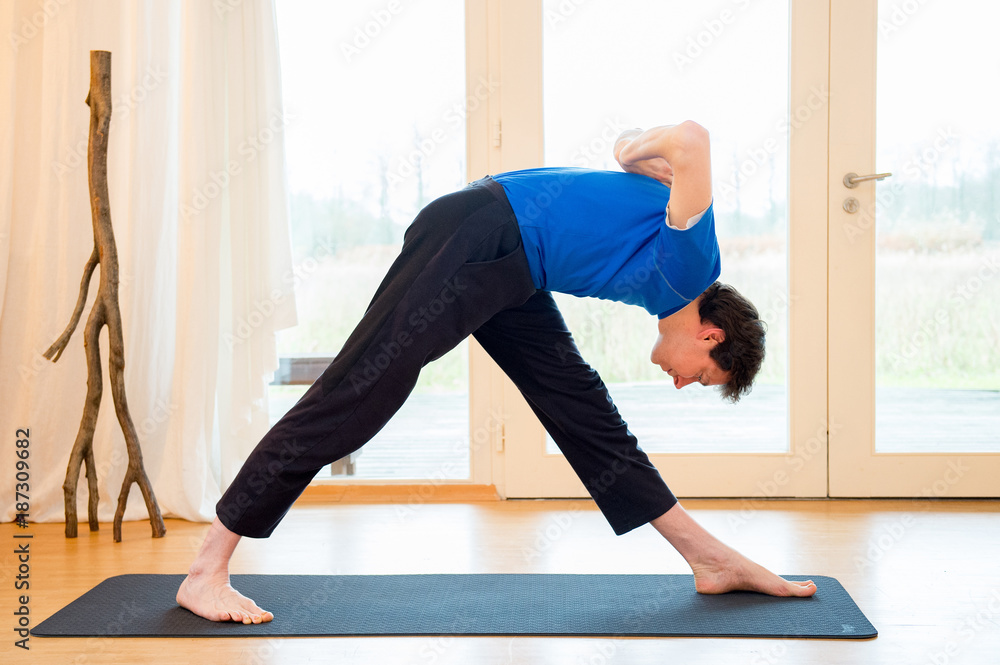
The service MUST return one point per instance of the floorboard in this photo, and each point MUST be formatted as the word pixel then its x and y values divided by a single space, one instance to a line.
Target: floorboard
pixel 925 572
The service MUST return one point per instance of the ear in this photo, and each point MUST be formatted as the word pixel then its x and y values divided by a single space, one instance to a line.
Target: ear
pixel 716 335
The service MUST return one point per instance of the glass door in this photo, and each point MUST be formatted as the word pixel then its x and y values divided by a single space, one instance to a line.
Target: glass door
pixel 743 71
pixel 915 258
pixel 378 109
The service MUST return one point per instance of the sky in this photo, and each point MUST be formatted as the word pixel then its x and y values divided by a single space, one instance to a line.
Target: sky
pixel 365 81
pixel 358 95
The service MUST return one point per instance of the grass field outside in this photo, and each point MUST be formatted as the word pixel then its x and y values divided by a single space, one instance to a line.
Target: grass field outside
pixel 938 317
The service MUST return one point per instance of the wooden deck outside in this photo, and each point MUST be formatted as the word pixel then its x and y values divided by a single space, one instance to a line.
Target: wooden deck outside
pixel 428 437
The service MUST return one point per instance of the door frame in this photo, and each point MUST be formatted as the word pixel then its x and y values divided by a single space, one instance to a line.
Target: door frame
pixel 527 470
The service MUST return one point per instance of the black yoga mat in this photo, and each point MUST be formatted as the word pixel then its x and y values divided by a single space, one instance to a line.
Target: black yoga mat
pixel 640 605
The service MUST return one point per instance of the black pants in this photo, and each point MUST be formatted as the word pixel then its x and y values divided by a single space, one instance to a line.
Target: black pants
pixel 462 270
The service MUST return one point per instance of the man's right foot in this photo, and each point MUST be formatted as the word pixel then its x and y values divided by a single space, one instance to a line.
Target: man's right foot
pixel 731 571
pixel 213 598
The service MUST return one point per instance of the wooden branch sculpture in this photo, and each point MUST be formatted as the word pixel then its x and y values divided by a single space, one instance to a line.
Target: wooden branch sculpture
pixel 105 312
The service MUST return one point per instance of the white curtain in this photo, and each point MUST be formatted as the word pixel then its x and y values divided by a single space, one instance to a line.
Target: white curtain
pixel 199 208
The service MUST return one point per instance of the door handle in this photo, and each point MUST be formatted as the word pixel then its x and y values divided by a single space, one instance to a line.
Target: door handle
pixel 851 180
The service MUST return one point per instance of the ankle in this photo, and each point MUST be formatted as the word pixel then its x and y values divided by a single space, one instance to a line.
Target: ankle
pixel 208 569
pixel 713 556
pixel 691 540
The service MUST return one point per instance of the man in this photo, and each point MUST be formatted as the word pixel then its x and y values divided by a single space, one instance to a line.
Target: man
pixel 483 261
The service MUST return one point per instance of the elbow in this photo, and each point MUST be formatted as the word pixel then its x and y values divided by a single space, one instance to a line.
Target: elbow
pixel 692 132
pixel 691 143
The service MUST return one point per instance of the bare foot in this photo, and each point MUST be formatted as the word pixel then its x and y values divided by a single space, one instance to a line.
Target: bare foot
pixel 212 597
pixel 717 567
pixel 731 571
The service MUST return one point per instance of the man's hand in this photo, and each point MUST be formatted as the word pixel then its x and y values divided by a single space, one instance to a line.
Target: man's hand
pixel 656 168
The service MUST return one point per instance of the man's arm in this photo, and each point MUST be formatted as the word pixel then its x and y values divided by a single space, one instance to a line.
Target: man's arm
pixel 678 153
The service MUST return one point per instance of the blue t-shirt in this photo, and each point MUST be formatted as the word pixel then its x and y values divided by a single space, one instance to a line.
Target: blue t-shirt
pixel 605 234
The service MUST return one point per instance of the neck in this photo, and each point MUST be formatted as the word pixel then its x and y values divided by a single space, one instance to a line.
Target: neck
pixel 684 319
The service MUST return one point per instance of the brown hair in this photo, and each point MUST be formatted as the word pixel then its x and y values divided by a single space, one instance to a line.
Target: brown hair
pixel 741 353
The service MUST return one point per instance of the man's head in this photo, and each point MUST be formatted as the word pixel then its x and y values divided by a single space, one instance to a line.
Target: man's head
pixel 718 339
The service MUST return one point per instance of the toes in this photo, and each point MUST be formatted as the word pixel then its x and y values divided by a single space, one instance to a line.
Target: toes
pixel 251 611
pixel 803 589
pixel 267 616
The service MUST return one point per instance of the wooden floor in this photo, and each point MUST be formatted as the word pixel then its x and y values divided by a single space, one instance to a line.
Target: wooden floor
pixel 927 574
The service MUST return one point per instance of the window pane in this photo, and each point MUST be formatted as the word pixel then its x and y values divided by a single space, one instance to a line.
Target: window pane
pixel 642 63
pixel 376 93
pixel 938 230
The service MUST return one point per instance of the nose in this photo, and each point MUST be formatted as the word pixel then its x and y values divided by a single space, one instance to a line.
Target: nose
pixel 680 381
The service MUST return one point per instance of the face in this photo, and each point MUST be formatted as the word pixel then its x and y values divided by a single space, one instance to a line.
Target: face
pixel 684 356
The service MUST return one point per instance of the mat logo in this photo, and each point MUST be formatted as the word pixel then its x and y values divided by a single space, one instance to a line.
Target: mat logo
pixel 847 630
